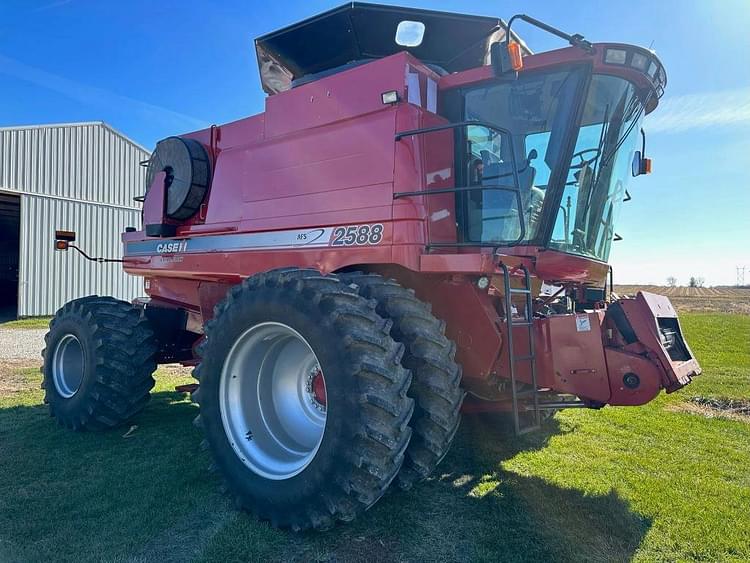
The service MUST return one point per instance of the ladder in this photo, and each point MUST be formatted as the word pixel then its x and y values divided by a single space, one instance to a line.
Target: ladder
pixel 521 396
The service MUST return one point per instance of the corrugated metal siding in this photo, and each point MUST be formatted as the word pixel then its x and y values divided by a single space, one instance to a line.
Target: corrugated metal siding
pixel 79 177
pixel 87 162
pixel 48 279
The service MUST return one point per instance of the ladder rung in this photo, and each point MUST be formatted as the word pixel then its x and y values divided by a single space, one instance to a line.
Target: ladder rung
pixel 526 321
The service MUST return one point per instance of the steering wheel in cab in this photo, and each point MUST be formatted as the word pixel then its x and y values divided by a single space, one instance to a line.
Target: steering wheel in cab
pixel 584 161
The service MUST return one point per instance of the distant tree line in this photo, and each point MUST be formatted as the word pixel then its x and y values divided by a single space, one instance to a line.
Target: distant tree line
pixel 694 281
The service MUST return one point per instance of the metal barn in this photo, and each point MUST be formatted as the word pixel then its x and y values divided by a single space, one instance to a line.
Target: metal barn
pixel 79 177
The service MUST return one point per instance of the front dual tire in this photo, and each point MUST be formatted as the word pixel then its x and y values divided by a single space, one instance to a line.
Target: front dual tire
pixel 303 398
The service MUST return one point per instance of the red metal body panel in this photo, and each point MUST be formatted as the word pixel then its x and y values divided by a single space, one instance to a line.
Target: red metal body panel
pixel 472 322
pixel 569 359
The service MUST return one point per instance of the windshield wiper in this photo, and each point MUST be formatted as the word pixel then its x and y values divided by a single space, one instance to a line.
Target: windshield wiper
pixel 625 134
pixel 600 147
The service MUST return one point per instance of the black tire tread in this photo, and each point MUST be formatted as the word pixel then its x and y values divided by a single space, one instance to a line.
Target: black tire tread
pixel 436 377
pixel 366 468
pixel 125 348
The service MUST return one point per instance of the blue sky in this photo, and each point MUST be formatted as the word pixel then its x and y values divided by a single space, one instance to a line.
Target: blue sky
pixel 152 69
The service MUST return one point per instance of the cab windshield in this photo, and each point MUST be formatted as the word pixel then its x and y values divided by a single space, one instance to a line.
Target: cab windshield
pixel 581 195
pixel 600 169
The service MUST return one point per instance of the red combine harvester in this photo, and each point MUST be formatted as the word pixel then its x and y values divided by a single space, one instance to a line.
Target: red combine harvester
pixel 347 267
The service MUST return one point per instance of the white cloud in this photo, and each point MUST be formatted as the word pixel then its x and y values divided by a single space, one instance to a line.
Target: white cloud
pixel 680 113
pixel 99 97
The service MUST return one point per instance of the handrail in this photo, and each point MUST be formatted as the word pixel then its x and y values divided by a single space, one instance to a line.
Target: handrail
pixel 516 181
pixel 438 191
pixel 400 135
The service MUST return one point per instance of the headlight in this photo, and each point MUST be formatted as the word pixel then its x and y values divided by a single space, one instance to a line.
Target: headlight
pixel 641 60
pixel 615 56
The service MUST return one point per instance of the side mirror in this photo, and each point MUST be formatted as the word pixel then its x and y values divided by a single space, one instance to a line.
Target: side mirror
pixel 635 167
pixel 641 164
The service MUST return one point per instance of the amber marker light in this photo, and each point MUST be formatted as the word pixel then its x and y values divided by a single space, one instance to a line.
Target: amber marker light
pixel 514 54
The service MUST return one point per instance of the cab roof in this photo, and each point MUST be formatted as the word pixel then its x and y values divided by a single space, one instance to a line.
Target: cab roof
pixel 357 32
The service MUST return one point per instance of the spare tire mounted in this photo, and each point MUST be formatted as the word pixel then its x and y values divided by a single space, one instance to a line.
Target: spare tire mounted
pixel 188 169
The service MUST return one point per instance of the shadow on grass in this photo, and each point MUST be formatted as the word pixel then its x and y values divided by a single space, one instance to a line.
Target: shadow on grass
pixel 149 497
pixel 472 510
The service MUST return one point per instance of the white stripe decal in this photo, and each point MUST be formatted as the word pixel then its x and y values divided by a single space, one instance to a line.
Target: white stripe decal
pixel 308 238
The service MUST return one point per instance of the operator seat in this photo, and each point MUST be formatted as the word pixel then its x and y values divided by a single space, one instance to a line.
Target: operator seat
pixel 499 213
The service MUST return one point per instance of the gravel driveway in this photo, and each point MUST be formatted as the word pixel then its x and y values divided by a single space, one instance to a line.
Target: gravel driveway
pixel 21 343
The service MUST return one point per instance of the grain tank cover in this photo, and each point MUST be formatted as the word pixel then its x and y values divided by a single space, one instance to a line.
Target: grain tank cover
pixel 358 32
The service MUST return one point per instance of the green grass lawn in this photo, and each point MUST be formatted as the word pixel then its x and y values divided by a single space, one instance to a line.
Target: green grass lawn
pixel 29 322
pixel 652 483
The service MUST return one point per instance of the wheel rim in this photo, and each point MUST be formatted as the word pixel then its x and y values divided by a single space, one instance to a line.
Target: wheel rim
pixel 67 366
pixel 273 400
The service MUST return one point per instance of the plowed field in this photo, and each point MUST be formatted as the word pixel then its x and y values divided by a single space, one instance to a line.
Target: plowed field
pixel 716 299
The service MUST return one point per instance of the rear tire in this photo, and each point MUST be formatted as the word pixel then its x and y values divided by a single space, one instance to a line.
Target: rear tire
pixel 436 377
pixel 278 320
pixel 98 360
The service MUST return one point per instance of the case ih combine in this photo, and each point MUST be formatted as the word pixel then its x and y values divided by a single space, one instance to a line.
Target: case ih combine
pixel 349 268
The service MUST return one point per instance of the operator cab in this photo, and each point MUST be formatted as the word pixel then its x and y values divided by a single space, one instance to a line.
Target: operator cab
pixel 568 136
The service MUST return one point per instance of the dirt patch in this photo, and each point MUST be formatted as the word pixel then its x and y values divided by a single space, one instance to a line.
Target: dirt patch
pixel 17 375
pixel 716 407
pixel 174 370
pixel 14 376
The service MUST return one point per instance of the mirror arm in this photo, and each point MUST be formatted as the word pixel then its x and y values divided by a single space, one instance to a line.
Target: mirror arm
pixel 576 40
